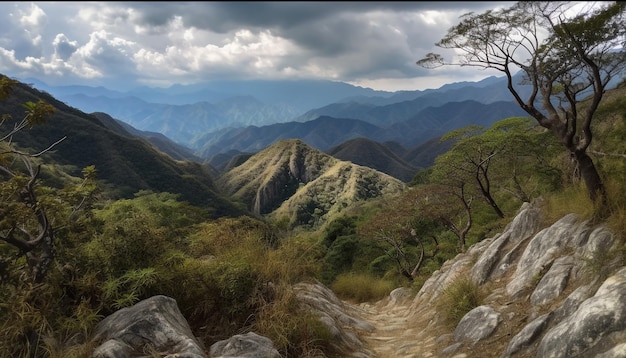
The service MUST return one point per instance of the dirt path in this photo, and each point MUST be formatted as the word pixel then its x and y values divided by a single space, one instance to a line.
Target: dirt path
pixel 401 331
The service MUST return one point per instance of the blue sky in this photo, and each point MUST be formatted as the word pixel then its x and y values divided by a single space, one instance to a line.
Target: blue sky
pixel 124 44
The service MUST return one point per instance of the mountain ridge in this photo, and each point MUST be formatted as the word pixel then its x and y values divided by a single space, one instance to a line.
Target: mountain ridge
pixel 293 180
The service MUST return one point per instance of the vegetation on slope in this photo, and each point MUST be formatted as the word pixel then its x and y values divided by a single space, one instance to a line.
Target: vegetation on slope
pixel 234 273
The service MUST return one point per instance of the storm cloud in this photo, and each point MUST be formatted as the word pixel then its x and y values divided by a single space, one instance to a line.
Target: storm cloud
pixel 125 44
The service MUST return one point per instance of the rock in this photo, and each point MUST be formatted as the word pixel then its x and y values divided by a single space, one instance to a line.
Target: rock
pixel 477 324
pixel 526 336
pixel 553 282
pixel 249 345
pixel 592 324
pixel 152 324
pixel 544 248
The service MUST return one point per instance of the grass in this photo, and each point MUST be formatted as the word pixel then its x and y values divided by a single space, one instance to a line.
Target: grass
pixel 361 287
pixel 458 298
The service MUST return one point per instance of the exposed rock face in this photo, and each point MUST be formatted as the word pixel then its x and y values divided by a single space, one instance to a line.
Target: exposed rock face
pixel 152 324
pixel 555 278
pixel 477 324
pixel 343 320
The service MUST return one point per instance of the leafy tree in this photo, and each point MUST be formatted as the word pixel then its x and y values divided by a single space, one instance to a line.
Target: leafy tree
pixel 449 203
pixel 402 230
pixel 469 161
pixel 525 156
pixel 563 58
pixel 511 156
pixel 39 303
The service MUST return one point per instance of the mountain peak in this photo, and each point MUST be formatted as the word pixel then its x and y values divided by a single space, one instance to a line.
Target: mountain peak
pixel 292 179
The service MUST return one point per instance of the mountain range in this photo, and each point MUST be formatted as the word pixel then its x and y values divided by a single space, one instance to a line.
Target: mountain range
pixel 288 178
pixel 222 122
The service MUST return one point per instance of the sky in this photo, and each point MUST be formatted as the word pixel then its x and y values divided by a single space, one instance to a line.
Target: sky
pixel 121 45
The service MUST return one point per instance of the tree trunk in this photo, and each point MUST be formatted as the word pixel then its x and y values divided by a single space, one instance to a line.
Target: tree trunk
pixel 590 176
pixel 493 204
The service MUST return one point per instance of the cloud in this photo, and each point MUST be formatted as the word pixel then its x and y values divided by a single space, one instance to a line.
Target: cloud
pixel 162 43
pixel 63 47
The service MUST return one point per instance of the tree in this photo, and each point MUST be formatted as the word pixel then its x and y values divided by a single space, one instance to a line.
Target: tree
pixel 402 231
pixel 470 161
pixel 24 222
pixel 511 156
pixel 564 59
pixel 450 203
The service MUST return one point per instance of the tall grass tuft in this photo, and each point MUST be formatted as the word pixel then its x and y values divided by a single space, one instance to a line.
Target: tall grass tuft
pixel 360 287
pixel 295 331
pixel 458 298
pixel 572 199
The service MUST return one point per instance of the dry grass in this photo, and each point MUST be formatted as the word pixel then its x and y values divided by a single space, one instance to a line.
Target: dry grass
pixel 358 287
pixel 460 297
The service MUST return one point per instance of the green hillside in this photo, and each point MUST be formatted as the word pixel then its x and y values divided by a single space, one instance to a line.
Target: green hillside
pixel 125 164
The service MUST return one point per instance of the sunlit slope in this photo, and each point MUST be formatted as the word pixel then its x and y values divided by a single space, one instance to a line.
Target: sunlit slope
pixel 290 179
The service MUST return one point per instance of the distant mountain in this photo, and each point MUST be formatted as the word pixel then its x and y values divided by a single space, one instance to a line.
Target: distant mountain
pixel 325 132
pixel 423 155
pixel 158 140
pixel 375 155
pixel 219 117
pixel 125 164
pixel 187 113
pixel 293 180
pixel 322 133
pixel 223 162
pixel 387 111
pixel 302 95
pixel 433 122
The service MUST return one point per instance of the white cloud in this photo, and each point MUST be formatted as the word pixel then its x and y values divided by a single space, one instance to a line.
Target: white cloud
pixel 32 18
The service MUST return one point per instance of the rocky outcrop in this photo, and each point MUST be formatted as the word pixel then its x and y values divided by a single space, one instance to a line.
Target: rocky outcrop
pixel 558 291
pixel 152 325
pixel 342 320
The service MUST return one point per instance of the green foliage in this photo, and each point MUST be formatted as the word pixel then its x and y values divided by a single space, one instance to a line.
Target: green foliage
pixel 126 290
pixel 339 257
pixel 341 226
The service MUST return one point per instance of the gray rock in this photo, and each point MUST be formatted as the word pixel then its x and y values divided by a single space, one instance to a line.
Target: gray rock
pixel 553 282
pixel 249 345
pixel 619 351
pixel 544 248
pixel 477 324
pixel 154 323
pixel 591 324
pixel 526 336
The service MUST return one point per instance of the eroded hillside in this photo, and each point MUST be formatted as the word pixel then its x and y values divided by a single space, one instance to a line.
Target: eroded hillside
pixel 291 179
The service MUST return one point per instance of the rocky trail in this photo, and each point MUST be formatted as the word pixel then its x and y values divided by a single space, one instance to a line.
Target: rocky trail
pixel 395 332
